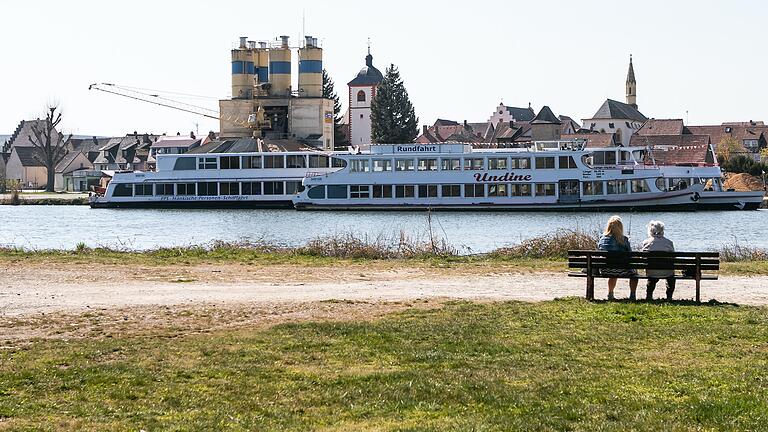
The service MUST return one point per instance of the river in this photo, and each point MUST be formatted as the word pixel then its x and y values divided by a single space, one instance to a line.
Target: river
pixel 63 227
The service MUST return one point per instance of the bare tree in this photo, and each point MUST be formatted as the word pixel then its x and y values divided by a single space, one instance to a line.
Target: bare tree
pixel 50 144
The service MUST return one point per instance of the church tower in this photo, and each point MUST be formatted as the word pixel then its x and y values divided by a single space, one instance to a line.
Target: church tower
pixel 631 85
pixel 361 90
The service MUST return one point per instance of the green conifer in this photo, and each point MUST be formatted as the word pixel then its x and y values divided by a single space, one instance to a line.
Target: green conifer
pixel 393 119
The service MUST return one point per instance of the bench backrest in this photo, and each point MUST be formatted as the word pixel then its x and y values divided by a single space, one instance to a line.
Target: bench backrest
pixel 697 262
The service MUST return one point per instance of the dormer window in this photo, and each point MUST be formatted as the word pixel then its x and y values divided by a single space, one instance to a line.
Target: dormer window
pixel 361 96
pixel 728 129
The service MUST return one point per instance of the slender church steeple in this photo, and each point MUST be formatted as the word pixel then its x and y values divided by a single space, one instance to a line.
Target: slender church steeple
pixel 631 85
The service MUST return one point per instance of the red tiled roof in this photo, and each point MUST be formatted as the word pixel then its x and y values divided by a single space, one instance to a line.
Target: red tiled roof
pixel 687 155
pixel 594 140
pixel 662 127
pixel 668 140
pixel 739 132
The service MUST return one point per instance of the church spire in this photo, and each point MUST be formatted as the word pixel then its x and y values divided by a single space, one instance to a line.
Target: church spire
pixel 631 85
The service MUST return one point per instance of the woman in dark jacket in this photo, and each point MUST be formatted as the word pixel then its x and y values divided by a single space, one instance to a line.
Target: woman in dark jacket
pixel 614 240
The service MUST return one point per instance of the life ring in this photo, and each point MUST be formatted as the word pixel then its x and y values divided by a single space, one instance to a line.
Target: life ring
pixel 696 197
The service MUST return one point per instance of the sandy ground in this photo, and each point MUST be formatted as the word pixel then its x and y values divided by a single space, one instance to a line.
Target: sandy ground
pixel 32 289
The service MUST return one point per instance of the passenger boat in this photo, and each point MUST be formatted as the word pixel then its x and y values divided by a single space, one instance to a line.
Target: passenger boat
pixel 558 175
pixel 216 180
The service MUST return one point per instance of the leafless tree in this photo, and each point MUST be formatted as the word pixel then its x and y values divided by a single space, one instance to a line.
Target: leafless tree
pixel 50 144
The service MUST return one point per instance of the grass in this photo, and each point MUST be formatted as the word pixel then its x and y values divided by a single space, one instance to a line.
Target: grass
pixel 560 365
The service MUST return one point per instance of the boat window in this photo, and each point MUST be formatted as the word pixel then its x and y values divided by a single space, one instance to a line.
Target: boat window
pixel 405 191
pixel 123 190
pixel 143 190
pixel 337 192
pixel 497 163
pixel 318 161
pixel 474 164
pixel 451 164
pixel 427 164
pixel 164 189
pixel 184 164
pixel 545 189
pixel 624 156
pixel 359 191
pixel 185 189
pixel 252 162
pixel 497 190
pixel 296 161
pixel 403 164
pixel 545 162
pixel 639 186
pixel 592 188
pixel 381 165
pixel 474 190
pixel 338 163
pixel 274 188
pixel 427 191
pixel 604 158
pixel 678 184
pixel 293 187
pixel 567 162
pixel 616 187
pixel 588 160
pixel 316 192
pixel 520 163
pixel 521 189
pixel 207 163
pixel 229 188
pixel 451 191
pixel 251 188
pixel 207 189
pixel 229 162
pixel 661 184
pixel 382 191
pixel 274 161
pixel 360 165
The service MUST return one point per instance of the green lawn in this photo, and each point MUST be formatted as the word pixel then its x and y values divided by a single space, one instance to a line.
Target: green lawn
pixel 560 365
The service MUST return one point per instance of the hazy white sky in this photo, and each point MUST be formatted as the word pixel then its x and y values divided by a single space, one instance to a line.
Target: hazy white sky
pixel 458 60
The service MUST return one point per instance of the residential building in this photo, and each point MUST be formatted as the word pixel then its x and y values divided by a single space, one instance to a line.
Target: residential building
pixel 507 114
pixel 753 135
pixel 130 152
pixel 26 167
pixel 545 126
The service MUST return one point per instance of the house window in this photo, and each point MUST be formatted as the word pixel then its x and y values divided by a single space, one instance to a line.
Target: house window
pixel 361 96
pixel 611 126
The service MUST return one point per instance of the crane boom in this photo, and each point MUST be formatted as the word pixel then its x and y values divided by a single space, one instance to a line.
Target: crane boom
pixel 154 99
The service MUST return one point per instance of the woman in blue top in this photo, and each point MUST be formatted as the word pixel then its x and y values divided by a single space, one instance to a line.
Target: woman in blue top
pixel 614 240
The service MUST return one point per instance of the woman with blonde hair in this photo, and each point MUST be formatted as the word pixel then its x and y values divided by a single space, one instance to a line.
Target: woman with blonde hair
pixel 614 240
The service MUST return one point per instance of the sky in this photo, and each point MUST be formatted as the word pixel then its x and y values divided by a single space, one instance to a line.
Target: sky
pixel 702 61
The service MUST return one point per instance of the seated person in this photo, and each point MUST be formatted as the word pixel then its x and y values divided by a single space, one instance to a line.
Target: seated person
pixel 656 242
pixel 614 240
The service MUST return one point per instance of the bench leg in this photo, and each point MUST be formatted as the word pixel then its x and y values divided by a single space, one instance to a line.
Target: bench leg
pixel 698 290
pixel 590 288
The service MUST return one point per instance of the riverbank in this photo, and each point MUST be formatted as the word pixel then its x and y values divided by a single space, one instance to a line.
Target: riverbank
pixel 346 365
pixel 44 198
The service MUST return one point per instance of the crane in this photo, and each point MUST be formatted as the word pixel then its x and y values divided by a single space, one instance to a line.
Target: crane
pixel 256 121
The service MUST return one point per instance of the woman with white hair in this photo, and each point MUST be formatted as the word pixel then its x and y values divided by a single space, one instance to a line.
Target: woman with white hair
pixel 656 242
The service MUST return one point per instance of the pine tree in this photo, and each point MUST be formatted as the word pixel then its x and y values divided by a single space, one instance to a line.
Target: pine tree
pixel 393 119
pixel 339 137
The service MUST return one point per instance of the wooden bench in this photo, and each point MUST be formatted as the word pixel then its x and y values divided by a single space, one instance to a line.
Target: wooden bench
pixel 697 266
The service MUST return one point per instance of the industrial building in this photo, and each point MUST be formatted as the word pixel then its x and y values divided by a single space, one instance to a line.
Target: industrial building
pixel 264 103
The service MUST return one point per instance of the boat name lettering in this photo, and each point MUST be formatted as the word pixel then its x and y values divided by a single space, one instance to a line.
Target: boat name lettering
pixel 416 149
pixel 203 198
pixel 507 177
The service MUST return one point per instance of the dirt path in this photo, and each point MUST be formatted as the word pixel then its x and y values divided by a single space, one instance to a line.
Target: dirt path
pixel 32 289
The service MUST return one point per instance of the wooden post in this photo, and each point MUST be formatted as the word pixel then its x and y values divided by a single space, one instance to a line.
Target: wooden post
pixel 698 278
pixel 590 279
